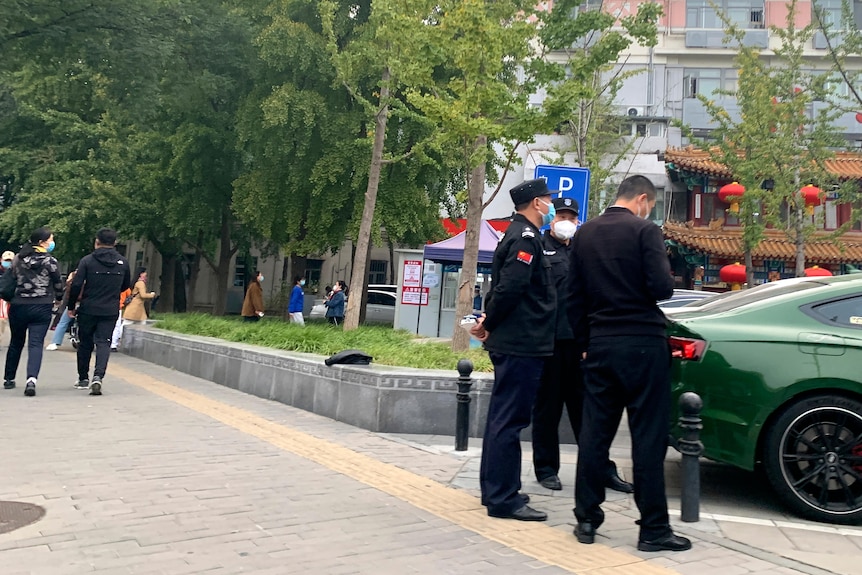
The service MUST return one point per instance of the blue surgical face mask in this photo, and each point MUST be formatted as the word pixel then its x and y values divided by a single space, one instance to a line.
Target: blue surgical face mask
pixel 549 217
pixel 302 282
pixel 51 246
pixel 7 264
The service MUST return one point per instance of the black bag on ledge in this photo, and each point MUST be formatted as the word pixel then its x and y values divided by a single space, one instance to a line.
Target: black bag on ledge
pixel 349 356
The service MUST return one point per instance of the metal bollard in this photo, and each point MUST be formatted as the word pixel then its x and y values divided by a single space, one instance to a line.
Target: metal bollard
pixel 691 448
pixel 462 417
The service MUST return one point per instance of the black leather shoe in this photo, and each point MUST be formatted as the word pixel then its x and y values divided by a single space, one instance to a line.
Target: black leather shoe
pixel 524 513
pixel 617 483
pixel 552 482
pixel 585 532
pixel 669 542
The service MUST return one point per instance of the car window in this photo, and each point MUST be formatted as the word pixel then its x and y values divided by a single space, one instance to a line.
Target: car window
pixel 381 298
pixel 846 311
pixel 678 302
pixel 760 293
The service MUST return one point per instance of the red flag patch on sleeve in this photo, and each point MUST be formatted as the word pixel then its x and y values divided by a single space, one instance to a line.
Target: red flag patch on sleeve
pixel 525 257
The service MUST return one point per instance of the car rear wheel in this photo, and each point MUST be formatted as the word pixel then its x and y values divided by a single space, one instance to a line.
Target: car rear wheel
pixel 813 458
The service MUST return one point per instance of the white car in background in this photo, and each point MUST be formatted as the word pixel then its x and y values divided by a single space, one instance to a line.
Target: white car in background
pixel 380 308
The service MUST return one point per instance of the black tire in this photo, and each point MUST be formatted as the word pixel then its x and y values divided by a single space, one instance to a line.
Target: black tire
pixel 813 458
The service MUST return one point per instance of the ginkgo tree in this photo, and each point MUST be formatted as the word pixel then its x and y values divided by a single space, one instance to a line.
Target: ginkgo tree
pixel 774 138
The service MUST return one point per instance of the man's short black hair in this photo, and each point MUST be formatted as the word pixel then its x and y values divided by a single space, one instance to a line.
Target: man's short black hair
pixel 634 186
pixel 106 236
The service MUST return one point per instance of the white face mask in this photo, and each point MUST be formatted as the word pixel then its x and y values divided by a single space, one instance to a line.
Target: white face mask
pixel 646 215
pixel 564 230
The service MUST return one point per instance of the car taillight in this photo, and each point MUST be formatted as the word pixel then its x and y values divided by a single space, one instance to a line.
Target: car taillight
pixel 686 348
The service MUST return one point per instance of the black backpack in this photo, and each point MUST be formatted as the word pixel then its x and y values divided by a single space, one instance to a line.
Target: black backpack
pixel 8 285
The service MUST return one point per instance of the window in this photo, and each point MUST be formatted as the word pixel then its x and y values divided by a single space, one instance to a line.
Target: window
pixel 706 81
pixel 381 298
pixel 312 274
pixel 449 299
pixel 642 129
pixel 829 11
pixel 826 215
pixel 244 268
pixel 377 272
pixel 139 260
pixel 846 312
pixel 746 14
pixel 658 212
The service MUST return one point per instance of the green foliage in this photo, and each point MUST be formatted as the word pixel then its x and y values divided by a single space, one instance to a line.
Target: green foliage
pixel 387 346
pixel 774 134
pixel 583 84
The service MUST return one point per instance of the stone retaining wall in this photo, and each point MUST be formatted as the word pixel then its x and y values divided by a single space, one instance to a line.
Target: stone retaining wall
pixel 374 397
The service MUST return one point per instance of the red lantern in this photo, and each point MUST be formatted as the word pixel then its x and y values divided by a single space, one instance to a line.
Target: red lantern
pixel 859 117
pixel 734 274
pixel 731 194
pixel 816 271
pixel 813 196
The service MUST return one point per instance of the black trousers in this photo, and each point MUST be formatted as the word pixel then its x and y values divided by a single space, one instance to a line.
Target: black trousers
pixel 561 384
pixel 516 381
pixel 27 318
pixel 631 373
pixel 94 331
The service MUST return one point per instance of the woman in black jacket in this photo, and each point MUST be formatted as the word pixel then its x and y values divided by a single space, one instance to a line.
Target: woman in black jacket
pixel 38 287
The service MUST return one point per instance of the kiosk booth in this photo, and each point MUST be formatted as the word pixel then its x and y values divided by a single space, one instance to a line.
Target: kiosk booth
pixel 428 282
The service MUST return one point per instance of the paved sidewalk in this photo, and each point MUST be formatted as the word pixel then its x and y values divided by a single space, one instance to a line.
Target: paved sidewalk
pixel 170 474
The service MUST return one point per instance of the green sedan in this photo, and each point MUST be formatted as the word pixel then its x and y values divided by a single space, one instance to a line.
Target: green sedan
pixel 779 369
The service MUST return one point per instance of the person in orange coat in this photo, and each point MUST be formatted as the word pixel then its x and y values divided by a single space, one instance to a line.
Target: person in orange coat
pixel 118 327
pixel 252 306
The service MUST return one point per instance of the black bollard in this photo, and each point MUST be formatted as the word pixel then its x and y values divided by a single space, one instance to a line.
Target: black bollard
pixel 691 448
pixel 462 417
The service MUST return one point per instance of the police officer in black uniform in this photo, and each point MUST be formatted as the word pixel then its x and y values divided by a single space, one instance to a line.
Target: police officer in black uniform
pixel 562 382
pixel 518 332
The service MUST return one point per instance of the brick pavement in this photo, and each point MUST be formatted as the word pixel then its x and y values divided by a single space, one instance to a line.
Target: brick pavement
pixel 169 474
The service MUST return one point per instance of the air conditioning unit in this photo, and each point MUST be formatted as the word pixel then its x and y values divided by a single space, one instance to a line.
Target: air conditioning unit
pixel 632 112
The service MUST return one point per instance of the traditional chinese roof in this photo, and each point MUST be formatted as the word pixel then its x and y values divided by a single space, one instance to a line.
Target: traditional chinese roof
pixel 847 165
pixel 727 243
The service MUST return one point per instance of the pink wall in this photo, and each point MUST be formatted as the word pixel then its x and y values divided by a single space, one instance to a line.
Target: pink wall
pixel 776 13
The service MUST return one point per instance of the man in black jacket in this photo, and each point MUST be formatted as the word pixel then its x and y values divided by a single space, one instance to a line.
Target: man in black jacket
pixel 562 382
pixel 619 270
pixel 518 332
pixel 101 277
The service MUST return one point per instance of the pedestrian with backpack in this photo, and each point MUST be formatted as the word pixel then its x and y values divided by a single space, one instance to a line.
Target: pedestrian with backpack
pixel 37 286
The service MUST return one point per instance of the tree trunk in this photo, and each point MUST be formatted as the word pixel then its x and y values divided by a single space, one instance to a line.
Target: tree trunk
pixel 390 273
pixel 222 270
pixel 166 283
pixel 749 268
pixel 363 304
pixel 475 193
pixel 357 276
pixel 800 229
pixel 179 287
pixel 194 274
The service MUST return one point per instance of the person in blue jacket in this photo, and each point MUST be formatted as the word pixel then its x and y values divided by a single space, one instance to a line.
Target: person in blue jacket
pixel 297 301
pixel 335 304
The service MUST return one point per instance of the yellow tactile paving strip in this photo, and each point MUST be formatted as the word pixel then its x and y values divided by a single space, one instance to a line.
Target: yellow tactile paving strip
pixel 546 544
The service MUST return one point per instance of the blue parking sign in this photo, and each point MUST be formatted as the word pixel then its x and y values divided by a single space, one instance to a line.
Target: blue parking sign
pixel 570 182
